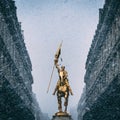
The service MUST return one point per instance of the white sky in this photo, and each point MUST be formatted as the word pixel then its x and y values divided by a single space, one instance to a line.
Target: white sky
pixel 46 23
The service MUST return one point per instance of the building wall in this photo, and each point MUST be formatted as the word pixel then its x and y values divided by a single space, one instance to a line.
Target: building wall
pixel 17 101
pixel 103 59
pixel 81 105
pixel 103 65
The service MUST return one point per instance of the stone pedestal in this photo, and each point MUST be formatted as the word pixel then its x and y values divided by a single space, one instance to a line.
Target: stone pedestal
pixel 61 116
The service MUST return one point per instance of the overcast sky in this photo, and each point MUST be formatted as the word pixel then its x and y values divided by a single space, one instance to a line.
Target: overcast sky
pixel 46 23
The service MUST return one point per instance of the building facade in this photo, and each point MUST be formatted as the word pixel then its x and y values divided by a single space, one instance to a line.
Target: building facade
pixel 102 76
pixel 17 101
pixel 81 109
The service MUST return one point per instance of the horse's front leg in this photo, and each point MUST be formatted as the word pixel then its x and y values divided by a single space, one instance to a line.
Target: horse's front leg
pixel 66 101
pixel 59 102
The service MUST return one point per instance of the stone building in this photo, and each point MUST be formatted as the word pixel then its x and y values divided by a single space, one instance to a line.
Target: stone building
pixel 17 101
pixel 81 105
pixel 102 76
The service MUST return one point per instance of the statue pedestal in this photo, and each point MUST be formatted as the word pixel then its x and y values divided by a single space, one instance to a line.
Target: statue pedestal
pixel 61 116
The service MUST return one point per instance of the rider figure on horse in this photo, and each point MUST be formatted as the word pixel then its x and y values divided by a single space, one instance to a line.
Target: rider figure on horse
pixel 62 87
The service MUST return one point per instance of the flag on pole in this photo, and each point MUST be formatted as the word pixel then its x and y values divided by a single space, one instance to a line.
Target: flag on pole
pixel 57 56
pixel 59 50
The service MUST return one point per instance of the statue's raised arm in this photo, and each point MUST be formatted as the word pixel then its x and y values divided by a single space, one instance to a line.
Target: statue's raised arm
pixel 56 62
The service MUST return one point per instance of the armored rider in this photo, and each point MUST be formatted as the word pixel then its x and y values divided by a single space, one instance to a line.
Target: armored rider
pixel 63 88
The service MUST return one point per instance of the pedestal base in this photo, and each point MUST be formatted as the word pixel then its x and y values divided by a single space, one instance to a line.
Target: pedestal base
pixel 62 116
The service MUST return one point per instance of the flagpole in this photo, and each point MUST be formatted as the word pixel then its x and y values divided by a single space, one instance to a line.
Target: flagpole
pixel 58 53
pixel 50 78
